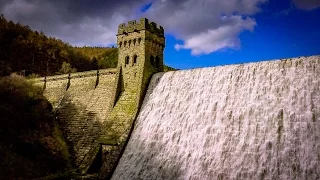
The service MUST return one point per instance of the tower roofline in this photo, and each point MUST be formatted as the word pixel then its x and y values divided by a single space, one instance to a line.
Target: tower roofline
pixel 142 24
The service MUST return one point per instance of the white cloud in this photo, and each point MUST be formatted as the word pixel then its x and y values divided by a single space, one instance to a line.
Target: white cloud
pixel 205 26
pixel 215 39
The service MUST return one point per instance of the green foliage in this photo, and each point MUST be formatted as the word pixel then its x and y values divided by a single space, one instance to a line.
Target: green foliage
pixel 25 51
pixel 30 145
pixel 105 57
pixel 66 68
pixel 32 76
pixel 167 68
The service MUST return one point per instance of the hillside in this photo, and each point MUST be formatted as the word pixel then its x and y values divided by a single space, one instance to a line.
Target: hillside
pixel 31 144
pixel 25 51
pixel 99 57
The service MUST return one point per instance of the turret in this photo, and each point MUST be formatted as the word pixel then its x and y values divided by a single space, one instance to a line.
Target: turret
pixel 141 46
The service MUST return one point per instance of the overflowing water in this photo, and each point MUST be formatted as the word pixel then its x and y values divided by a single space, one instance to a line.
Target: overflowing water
pixel 252 121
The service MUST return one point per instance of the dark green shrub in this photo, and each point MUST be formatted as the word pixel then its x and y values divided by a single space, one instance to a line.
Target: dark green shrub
pixel 29 142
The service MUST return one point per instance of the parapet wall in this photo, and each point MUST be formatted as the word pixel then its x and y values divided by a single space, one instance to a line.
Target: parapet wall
pixel 76 75
pixel 143 24
pixel 56 86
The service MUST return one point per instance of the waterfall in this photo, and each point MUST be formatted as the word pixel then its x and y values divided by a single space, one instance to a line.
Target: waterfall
pixel 248 121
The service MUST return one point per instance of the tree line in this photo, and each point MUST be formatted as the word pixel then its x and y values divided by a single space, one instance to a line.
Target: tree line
pixel 26 52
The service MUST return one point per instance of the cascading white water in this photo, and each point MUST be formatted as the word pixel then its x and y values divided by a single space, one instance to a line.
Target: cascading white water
pixel 252 121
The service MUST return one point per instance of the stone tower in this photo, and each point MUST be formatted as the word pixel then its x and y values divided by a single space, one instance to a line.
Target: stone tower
pixel 141 46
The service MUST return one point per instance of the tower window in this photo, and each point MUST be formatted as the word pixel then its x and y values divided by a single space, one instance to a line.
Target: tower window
pixel 157 63
pixel 135 58
pixel 125 43
pixel 120 44
pixel 134 42
pixel 152 60
pixel 127 60
pixel 139 40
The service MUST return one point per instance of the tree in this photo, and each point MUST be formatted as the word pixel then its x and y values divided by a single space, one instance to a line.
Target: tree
pixel 66 68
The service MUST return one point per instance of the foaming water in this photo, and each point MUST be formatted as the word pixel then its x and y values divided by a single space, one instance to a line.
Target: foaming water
pixel 252 121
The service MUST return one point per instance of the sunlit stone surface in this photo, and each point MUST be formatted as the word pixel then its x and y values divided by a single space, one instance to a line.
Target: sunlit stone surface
pixel 252 121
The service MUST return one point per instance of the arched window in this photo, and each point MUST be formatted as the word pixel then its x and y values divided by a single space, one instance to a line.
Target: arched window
pixel 152 60
pixel 135 59
pixel 157 63
pixel 120 44
pixel 125 43
pixel 127 60
pixel 139 40
pixel 134 42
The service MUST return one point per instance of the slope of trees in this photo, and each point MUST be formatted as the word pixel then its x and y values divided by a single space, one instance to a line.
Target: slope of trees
pixel 25 51
pixel 31 144
pixel 100 57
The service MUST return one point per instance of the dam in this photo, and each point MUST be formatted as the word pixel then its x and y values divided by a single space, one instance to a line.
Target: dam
pixel 248 121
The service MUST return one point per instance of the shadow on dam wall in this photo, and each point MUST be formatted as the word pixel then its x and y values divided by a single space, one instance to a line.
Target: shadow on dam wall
pixel 82 130
pixel 80 127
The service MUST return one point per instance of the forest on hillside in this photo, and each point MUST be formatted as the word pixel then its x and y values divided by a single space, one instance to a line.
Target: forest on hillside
pixel 26 52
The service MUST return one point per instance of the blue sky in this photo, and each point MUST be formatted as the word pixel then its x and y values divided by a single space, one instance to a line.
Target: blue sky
pixel 199 33
pixel 282 31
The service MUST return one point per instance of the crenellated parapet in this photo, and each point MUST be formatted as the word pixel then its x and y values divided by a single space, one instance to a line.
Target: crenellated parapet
pixel 141 44
pixel 143 24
